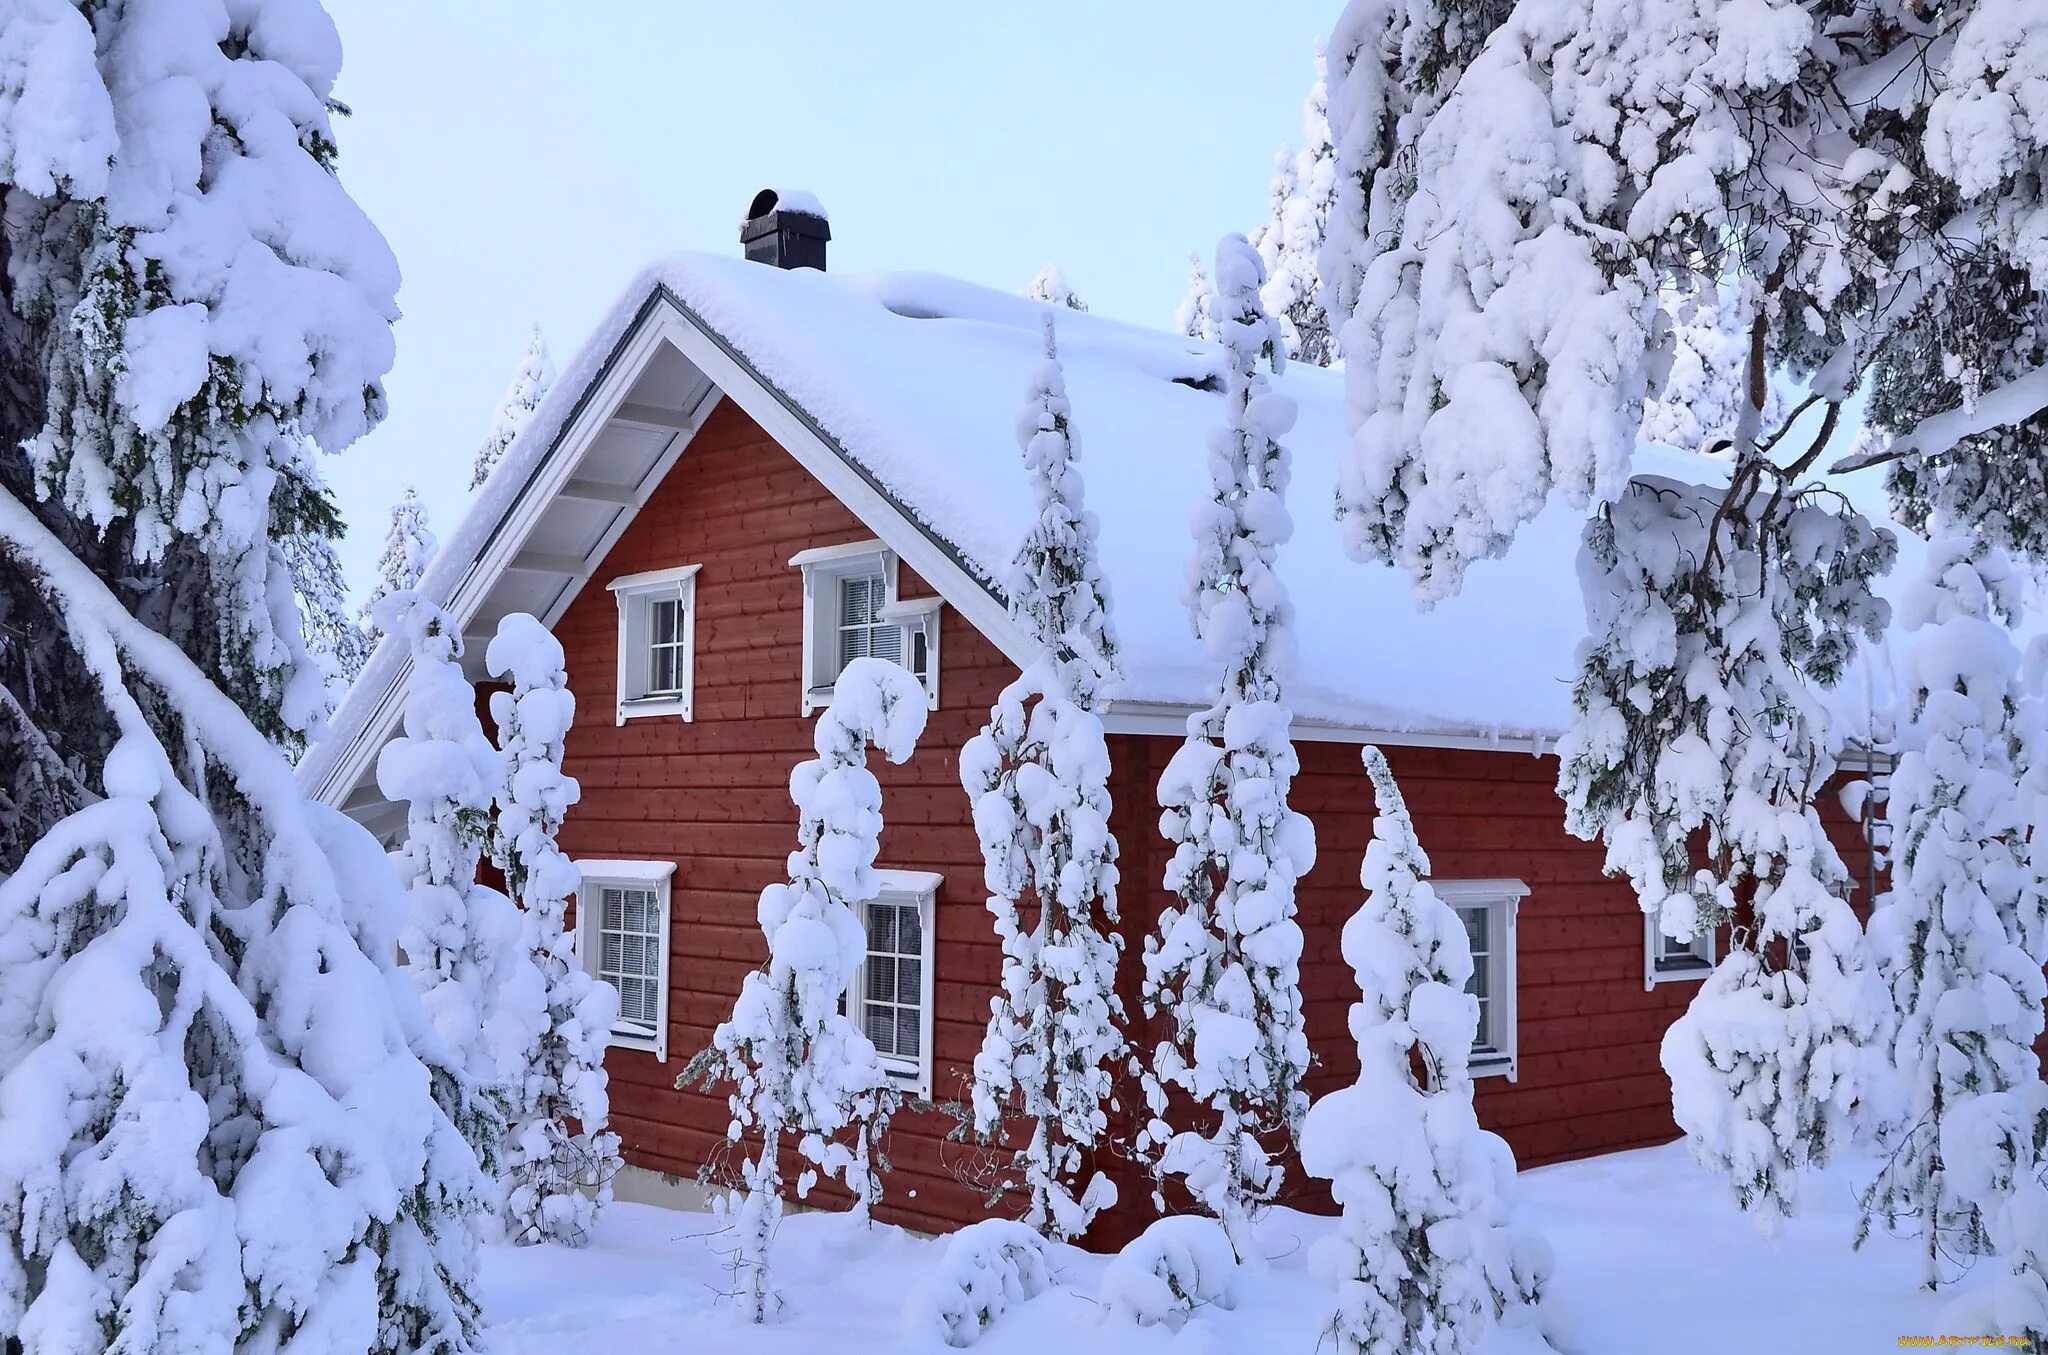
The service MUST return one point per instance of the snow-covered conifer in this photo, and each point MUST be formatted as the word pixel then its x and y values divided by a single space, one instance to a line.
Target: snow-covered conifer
pixel 1961 937
pixel 1038 778
pixel 408 549
pixel 796 1062
pixel 1401 1147
pixel 1049 285
pixel 192 293
pixel 330 628
pixel 1225 965
pixel 1195 316
pixel 461 938
pixel 530 382
pixel 1696 756
pixel 557 1174
pixel 1291 242
pixel 219 1126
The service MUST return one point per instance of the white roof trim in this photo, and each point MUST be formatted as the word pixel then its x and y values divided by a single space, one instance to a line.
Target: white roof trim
pixel 918 882
pixel 1170 719
pixel 1453 891
pixel 653 578
pixel 818 555
pixel 650 872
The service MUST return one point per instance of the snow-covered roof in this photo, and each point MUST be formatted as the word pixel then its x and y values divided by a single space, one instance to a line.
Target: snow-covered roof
pixel 915 380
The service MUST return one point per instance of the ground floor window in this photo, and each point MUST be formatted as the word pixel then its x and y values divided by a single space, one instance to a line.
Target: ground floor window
pixel 622 936
pixel 1488 908
pixel 890 997
pixel 1666 960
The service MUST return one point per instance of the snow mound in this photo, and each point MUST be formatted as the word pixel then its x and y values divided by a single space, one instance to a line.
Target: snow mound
pixel 987 1268
pixel 1177 1265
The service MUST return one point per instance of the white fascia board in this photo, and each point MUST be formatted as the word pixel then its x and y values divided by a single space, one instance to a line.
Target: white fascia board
pixel 1170 719
pixel 651 872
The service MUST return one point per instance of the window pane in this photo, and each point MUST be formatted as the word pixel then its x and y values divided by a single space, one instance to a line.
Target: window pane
pixel 636 911
pixel 886 642
pixel 880 1025
pixel 882 927
pixel 662 618
pixel 909 981
pixel 911 930
pixel 634 963
pixel 908 1037
pixel 881 979
pixel 661 669
pixel 608 962
pixel 858 598
pixel 610 908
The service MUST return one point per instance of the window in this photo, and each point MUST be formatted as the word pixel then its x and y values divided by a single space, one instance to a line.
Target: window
pixel 657 642
pixel 622 937
pixel 1669 961
pixel 1487 908
pixel 851 611
pixel 891 993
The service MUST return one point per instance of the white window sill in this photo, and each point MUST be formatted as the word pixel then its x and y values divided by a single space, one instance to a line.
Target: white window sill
pixel 1494 1065
pixel 634 1039
pixel 1687 974
pixel 910 1080
pixel 646 707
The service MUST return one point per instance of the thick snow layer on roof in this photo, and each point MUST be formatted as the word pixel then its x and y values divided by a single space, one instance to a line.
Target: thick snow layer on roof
pixel 916 377
pixel 914 374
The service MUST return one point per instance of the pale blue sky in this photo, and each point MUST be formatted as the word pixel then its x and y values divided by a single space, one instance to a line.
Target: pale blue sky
pixel 525 158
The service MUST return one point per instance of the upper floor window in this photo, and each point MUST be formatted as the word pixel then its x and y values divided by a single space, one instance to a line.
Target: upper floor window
pixel 852 611
pixel 1488 909
pixel 657 642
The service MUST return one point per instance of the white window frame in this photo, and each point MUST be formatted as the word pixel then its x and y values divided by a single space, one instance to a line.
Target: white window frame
pixel 636 593
pixel 1689 966
pixel 823 567
pixel 911 1076
pixel 653 876
pixel 1502 900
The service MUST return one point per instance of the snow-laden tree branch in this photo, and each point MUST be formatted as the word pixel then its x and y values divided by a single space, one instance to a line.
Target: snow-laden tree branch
pixel 1225 965
pixel 559 1156
pixel 222 1109
pixel 1038 778
pixel 1696 755
pixel 797 1063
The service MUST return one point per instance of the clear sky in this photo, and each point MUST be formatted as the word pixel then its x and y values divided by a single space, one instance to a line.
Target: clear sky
pixel 525 158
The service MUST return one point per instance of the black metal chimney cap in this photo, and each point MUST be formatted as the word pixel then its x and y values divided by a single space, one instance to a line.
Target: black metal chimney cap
pixel 786 229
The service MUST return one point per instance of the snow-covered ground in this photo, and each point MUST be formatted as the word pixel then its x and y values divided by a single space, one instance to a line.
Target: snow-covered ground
pixel 1651 1256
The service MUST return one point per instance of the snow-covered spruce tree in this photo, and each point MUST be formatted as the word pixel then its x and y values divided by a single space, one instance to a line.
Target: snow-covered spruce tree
pixel 1414 1260
pixel 1291 242
pixel 168 342
pixel 1961 938
pixel 1697 753
pixel 1225 966
pixel 1038 778
pixel 219 1127
pixel 1049 285
pixel 559 1157
pixel 1195 316
pixel 530 382
pixel 796 1062
pixel 408 549
pixel 330 629
pixel 225 1121
pixel 461 938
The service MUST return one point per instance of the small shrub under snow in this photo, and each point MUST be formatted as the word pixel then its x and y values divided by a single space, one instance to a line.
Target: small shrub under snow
pixel 987 1268
pixel 1177 1265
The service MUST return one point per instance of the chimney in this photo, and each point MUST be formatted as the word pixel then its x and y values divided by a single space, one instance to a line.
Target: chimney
pixel 786 229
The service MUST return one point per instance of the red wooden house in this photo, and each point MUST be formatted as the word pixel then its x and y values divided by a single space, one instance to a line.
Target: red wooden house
pixel 754 472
